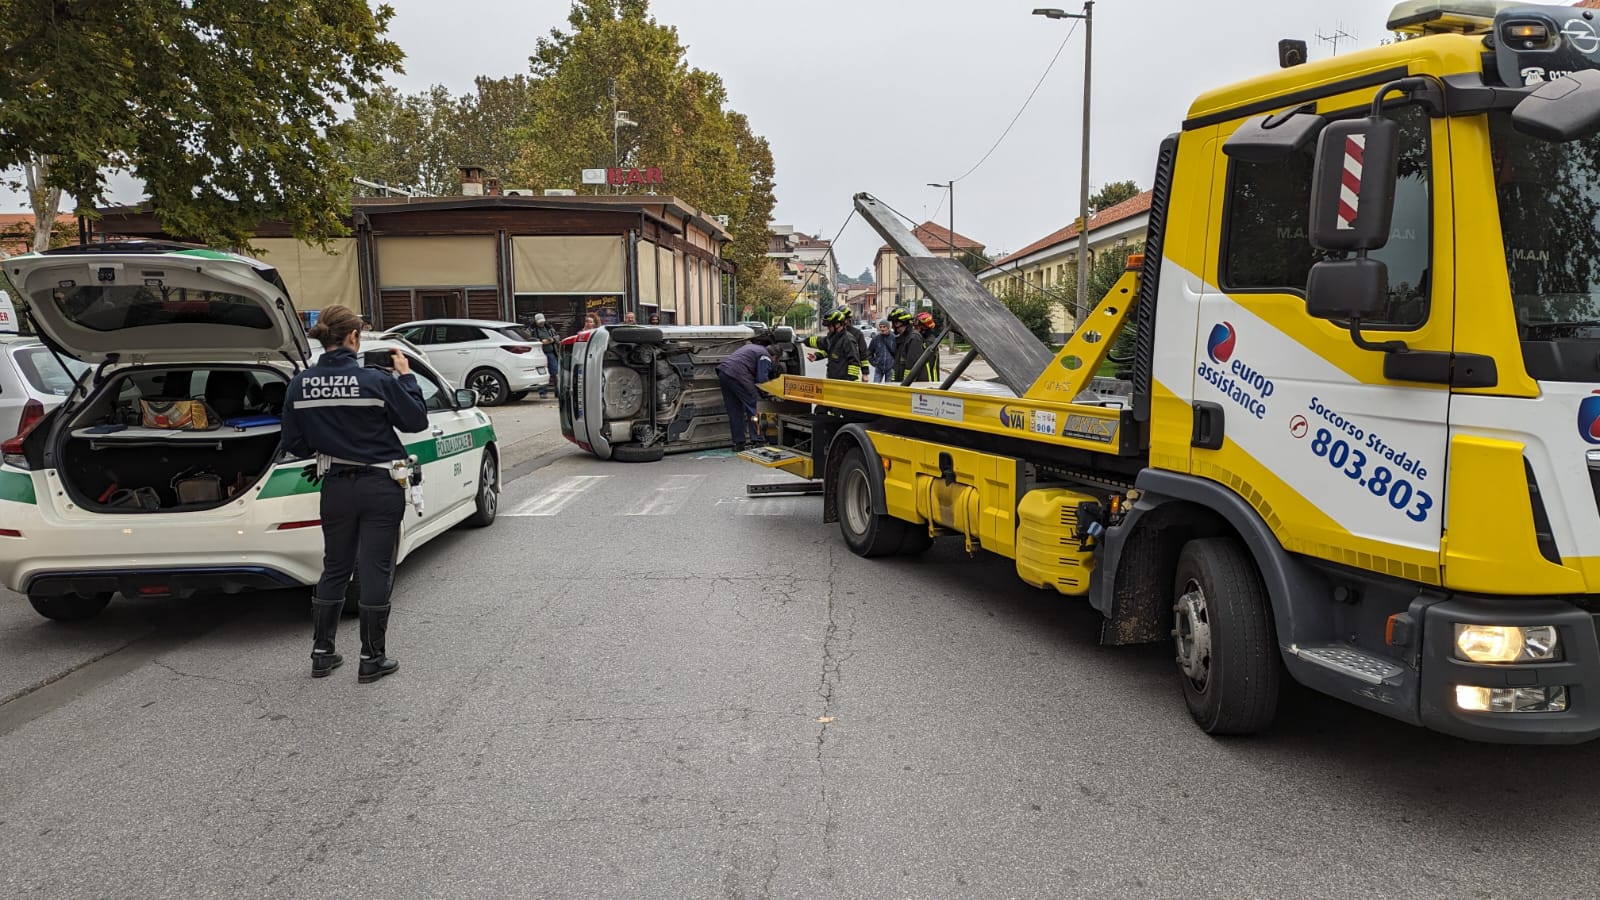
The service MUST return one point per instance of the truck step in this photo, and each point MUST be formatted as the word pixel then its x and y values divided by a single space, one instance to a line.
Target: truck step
pixel 1347 660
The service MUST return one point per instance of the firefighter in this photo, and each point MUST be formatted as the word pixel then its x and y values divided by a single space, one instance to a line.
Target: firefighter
pixel 907 343
pixel 861 342
pixel 844 357
pixel 347 415
pixel 924 325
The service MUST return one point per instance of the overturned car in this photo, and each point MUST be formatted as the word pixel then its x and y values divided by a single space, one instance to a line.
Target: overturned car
pixel 635 393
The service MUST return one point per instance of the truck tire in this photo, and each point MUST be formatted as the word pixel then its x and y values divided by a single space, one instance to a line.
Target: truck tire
pixel 638 453
pixel 1222 628
pixel 69 607
pixel 866 533
pixel 916 540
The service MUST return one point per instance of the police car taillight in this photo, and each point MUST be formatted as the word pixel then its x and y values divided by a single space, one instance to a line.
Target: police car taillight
pixel 11 449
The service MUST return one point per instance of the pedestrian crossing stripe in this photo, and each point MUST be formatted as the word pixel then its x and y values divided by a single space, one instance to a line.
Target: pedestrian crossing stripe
pixel 667 495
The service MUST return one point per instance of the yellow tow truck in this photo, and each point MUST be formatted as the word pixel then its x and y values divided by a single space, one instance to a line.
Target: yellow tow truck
pixel 1358 444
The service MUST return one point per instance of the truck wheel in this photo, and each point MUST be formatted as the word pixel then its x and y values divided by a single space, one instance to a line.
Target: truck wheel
pixel 916 540
pixel 69 607
pixel 637 453
pixel 866 533
pixel 1222 629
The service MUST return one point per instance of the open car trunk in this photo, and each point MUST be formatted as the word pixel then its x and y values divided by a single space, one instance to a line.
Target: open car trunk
pixel 115 455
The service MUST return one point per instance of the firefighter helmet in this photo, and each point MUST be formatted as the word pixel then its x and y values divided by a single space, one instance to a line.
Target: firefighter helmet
pixel 899 315
pixel 924 319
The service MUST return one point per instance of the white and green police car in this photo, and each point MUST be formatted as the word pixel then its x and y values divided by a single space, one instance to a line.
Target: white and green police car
pixel 103 496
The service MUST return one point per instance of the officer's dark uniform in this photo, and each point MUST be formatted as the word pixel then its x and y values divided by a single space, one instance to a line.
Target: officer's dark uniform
pixel 347 415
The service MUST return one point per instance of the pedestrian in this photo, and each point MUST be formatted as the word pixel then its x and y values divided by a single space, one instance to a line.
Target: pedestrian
pixel 655 319
pixel 738 375
pixel 844 359
pixel 590 321
pixel 550 343
pixel 347 415
pixel 880 353
pixel 628 318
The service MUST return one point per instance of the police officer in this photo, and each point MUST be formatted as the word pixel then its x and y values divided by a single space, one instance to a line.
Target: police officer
pixel 841 350
pixel 347 415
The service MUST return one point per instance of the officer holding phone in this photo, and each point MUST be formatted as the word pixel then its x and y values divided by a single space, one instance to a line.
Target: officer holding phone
pixel 347 415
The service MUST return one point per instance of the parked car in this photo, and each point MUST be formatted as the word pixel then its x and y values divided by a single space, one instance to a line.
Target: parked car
pixel 501 361
pixel 104 494
pixel 635 393
pixel 32 381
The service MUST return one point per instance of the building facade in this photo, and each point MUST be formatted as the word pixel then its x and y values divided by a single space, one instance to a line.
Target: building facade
pixel 502 257
pixel 894 288
pixel 1050 264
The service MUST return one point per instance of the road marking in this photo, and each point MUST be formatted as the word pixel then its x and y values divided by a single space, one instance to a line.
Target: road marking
pixel 668 498
pixel 556 498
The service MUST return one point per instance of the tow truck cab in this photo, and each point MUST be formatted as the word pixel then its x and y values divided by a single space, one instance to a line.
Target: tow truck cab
pixel 1362 436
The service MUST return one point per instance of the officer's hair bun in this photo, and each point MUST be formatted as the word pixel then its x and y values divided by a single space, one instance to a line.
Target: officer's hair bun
pixel 334 324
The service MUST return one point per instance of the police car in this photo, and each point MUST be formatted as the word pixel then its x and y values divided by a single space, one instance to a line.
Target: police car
pixel 160 475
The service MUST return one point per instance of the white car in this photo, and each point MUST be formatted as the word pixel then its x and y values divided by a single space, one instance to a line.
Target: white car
pixel 32 381
pixel 95 499
pixel 501 361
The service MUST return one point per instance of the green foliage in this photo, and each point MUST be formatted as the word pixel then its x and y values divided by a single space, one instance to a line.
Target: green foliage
pixel 223 108
pixel 1032 309
pixel 1112 194
pixel 418 140
pixel 708 154
pixel 769 295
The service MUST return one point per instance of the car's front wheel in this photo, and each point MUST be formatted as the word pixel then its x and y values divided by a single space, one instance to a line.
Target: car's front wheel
pixel 489 385
pixel 488 498
pixel 70 607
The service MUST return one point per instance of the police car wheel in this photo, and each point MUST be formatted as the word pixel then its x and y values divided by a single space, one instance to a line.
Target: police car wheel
pixel 1222 633
pixel 69 607
pixel 489 385
pixel 488 498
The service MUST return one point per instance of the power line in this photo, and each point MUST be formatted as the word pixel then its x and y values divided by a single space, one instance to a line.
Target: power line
pixel 1038 84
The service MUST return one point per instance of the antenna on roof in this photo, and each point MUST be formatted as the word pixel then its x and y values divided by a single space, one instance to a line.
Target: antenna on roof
pixel 1339 34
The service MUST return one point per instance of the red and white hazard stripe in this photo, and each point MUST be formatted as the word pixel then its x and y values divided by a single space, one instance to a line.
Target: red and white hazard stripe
pixel 1350 192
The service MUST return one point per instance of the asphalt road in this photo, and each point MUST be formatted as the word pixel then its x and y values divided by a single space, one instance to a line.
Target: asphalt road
pixel 642 683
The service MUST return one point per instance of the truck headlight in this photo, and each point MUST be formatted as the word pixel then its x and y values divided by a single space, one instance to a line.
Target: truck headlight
pixel 1507 643
pixel 1473 698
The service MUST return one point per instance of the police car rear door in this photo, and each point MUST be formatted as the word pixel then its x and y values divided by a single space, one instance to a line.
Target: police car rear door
pixel 451 448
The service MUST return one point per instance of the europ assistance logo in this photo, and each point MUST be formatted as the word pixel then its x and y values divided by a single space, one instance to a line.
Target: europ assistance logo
pixel 1220 344
pixel 1589 418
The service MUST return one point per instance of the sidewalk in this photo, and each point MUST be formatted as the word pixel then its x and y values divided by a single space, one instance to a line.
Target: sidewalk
pixel 978 371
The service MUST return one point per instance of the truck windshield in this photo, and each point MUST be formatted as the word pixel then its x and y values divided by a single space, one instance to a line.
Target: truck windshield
pixel 1549 199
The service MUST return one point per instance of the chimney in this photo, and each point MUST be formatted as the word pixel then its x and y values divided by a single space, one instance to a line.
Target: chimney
pixel 471 181
pixel 492 187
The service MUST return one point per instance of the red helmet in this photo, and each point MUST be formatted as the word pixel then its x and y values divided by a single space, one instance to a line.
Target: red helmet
pixel 924 319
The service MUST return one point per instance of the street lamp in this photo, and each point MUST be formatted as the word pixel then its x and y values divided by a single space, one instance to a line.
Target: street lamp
pixel 1083 185
pixel 951 187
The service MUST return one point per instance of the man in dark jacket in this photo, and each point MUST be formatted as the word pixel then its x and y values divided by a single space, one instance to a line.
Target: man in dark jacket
pixel 738 375
pixel 550 343
pixel 880 353
pixel 840 349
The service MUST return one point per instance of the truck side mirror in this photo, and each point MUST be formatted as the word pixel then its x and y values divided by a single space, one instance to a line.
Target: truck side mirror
pixel 1353 184
pixel 1562 110
pixel 1347 288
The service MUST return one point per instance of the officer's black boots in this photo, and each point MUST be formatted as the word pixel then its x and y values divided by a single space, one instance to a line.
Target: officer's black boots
pixel 374 664
pixel 324 626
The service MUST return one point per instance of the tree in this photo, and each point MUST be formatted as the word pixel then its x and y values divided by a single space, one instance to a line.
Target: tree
pixel 1111 194
pixel 224 109
pixel 769 296
pixel 487 123
pixel 867 276
pixel 401 140
pixel 1032 309
pixel 617 57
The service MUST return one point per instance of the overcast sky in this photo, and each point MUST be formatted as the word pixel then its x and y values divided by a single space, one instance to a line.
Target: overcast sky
pixel 884 96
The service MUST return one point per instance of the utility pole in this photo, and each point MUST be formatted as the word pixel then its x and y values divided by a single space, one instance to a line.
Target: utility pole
pixel 1080 306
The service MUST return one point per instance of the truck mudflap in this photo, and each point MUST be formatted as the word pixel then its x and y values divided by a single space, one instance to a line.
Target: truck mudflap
pixel 1450 682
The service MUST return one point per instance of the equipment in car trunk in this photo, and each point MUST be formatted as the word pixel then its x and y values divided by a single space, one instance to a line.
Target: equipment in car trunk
pixel 203 487
pixel 182 415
